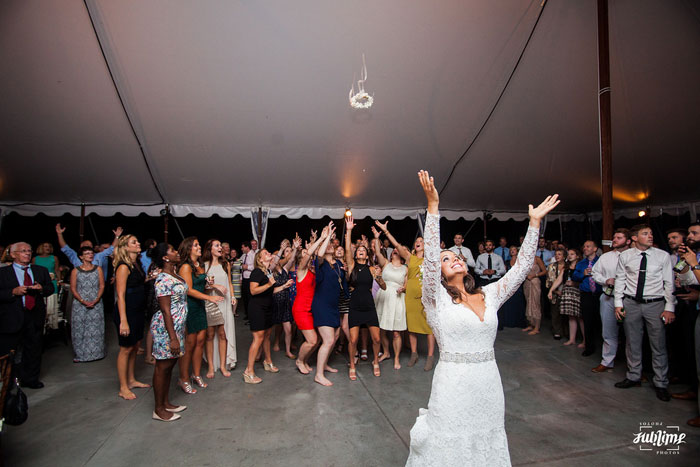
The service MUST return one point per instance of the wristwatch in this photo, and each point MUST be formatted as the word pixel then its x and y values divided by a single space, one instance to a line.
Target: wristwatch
pixel 695 268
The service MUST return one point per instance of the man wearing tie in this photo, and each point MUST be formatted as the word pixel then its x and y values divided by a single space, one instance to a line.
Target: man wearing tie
pixel 544 254
pixel 644 294
pixel 489 266
pixel 23 287
pixel 248 264
pixel 503 251
pixel 590 295
pixel 462 251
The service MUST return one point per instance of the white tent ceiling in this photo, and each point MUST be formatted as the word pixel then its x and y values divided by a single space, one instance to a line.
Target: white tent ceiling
pixel 235 104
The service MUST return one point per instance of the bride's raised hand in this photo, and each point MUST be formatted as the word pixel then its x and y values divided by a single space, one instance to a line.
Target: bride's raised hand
pixel 538 213
pixel 431 194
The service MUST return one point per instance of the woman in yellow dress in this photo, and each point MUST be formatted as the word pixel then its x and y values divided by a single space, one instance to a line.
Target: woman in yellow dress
pixel 415 315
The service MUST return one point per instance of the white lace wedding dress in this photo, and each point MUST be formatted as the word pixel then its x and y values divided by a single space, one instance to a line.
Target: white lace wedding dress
pixel 464 422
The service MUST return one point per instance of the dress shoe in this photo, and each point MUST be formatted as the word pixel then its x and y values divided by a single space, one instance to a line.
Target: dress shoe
pixel 601 369
pixel 33 385
pixel 627 383
pixel 694 422
pixel 557 337
pixel 662 394
pixel 685 396
pixel 587 353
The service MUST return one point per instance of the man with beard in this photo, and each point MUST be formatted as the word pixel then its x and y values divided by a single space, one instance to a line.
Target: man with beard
pixel 489 266
pixel 604 274
pixel 687 312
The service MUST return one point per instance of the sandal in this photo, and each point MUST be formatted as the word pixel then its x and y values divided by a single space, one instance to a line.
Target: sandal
pixel 376 370
pixel 363 356
pixel 270 367
pixel 199 381
pixel 186 387
pixel 352 374
pixel 251 379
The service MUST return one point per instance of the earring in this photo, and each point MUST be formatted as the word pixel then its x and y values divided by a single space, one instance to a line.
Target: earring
pixel 166 260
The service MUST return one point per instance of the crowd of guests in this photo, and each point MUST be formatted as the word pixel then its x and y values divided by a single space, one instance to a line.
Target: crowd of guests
pixel 178 305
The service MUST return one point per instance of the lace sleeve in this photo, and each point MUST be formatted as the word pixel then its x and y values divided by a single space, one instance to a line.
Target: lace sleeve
pixel 508 284
pixel 431 263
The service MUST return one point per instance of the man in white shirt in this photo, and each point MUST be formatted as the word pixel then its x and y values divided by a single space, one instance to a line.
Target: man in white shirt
pixel 462 251
pixel 489 266
pixel 644 294
pixel 604 272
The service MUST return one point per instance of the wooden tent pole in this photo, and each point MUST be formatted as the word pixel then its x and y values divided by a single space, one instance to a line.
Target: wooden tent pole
pixel 605 130
pixel 82 222
pixel 485 234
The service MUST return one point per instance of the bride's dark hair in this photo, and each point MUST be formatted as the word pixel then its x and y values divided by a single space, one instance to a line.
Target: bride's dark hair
pixel 469 286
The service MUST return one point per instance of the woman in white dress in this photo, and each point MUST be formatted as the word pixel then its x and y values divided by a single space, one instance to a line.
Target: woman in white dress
pixel 390 302
pixel 464 422
pixel 221 329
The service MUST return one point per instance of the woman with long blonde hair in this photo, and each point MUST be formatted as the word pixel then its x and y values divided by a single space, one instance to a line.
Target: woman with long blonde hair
pixel 262 286
pixel 130 316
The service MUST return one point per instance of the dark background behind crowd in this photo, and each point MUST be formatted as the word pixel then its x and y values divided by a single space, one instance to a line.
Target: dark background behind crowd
pixel 98 229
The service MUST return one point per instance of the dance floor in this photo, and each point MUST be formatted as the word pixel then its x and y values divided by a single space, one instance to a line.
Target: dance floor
pixel 558 413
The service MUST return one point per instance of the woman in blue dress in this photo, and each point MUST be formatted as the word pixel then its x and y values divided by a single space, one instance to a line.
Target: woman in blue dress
pixel 324 308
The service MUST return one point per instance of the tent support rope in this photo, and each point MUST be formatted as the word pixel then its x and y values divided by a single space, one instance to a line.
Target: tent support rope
pixel 498 100
pixel 129 119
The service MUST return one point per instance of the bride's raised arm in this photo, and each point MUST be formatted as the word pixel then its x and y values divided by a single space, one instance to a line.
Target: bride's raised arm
pixel 431 244
pixel 509 283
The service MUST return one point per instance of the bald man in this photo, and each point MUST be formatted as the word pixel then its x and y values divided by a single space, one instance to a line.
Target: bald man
pixel 23 287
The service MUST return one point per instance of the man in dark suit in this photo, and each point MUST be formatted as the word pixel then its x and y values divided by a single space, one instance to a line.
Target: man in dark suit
pixel 23 287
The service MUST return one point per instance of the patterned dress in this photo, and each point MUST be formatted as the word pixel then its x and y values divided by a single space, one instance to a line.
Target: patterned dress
pixel 236 277
pixel 167 285
pixel 281 305
pixel 88 324
pixel 570 302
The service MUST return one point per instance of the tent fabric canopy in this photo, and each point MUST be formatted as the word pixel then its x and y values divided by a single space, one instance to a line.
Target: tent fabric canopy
pixel 220 106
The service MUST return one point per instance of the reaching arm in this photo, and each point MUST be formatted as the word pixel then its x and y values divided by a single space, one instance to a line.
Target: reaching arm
pixel 349 260
pixel 311 250
pixel 326 235
pixel 431 246
pixel 403 251
pixel 59 233
pixel 378 248
pixel 508 284
pixel 117 233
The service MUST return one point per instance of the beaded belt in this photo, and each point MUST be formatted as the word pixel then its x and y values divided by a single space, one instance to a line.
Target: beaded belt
pixel 473 357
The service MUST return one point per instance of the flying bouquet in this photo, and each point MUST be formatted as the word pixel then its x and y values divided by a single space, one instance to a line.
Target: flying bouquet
pixel 361 99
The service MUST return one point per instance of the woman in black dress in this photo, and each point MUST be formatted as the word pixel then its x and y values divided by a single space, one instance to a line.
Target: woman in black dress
pixel 362 311
pixel 131 308
pixel 260 314
pixel 512 312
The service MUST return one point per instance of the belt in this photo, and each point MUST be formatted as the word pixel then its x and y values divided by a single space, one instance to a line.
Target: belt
pixel 466 357
pixel 646 300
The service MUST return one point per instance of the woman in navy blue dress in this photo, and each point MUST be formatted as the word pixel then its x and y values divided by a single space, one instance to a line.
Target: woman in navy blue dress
pixel 329 282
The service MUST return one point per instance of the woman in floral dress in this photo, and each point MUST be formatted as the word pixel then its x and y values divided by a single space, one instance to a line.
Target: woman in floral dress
pixel 168 329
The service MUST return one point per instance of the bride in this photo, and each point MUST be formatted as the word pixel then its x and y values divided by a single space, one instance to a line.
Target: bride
pixel 464 422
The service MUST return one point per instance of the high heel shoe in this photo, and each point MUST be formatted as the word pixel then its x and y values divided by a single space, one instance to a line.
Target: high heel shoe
pixel 186 387
pixel 171 419
pixel 251 379
pixel 270 367
pixel 199 381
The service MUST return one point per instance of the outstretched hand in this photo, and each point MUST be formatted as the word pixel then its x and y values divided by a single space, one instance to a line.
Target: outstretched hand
pixel 349 223
pixel 431 194
pixel 383 227
pixel 59 229
pixel 536 214
pixel 375 232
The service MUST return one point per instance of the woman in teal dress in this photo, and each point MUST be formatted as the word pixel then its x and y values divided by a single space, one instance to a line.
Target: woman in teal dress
pixel 46 258
pixel 196 322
